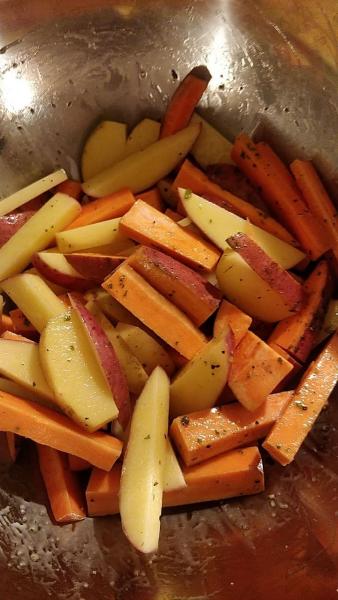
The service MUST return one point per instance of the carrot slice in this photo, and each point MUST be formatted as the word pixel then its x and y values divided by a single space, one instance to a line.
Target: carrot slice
pixel 8 448
pixel 191 178
pixel 229 314
pixel 236 473
pixel 270 271
pixel 21 325
pixel 256 371
pixel 45 426
pixel 155 311
pixel 63 489
pixel 309 399
pixel 297 334
pixel 153 198
pixel 185 288
pixel 147 225
pixel 71 188
pixel 6 323
pixel 109 207
pixel 184 101
pixel 317 199
pixel 78 464
pixel 201 435
pixel 263 167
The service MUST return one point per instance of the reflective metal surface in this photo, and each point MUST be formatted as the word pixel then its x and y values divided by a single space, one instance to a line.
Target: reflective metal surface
pixel 63 66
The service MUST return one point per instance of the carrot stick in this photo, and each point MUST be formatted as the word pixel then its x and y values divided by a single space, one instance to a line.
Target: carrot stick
pixel 236 473
pixel 260 163
pixel 45 426
pixel 297 334
pixel 153 198
pixel 71 188
pixel 21 325
pixel 147 225
pixel 201 435
pixel 295 364
pixel 181 285
pixel 155 311
pixel 192 178
pixel 184 101
pixel 78 464
pixel 269 270
pixel 317 199
pixel 109 207
pixel 15 337
pixel 8 448
pixel 229 314
pixel 309 399
pixel 6 323
pixel 256 371
pixel 63 489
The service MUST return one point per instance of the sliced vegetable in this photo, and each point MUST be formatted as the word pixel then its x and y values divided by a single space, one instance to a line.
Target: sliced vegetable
pixel 71 188
pixel 211 146
pixel 77 464
pixel 143 465
pixel 191 178
pixel 103 209
pixel 34 298
pixel 147 225
pixel 54 267
pixel 330 324
pixel 111 307
pixel 21 325
pixel 153 198
pixel 154 311
pixel 37 233
pixel 256 371
pixel 103 148
pixel 177 282
pixel 201 435
pixel 198 385
pixel 8 448
pixel 47 427
pixel 309 399
pixel 72 371
pixel 31 191
pixel 229 314
pixel 184 100
pixel 10 224
pixel 145 133
pixel 173 478
pixel 143 169
pixel 63 488
pixel 97 236
pixel 93 267
pixel 149 351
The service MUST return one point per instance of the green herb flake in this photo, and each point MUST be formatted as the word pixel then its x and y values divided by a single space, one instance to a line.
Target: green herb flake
pixel 187 194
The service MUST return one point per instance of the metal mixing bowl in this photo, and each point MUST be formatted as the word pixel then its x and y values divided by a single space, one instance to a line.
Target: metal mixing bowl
pixel 63 66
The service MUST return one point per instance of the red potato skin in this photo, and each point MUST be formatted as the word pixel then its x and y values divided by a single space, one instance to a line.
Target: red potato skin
pixel 275 276
pixel 94 267
pixel 10 224
pixel 108 360
pixel 179 283
pixel 77 284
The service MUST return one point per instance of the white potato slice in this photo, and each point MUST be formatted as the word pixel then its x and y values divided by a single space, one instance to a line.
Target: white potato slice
pixel 103 148
pixel 72 370
pixel 148 350
pixel 12 387
pixel 143 466
pixel 7 205
pixel 92 236
pixel 146 132
pixel 173 476
pixel 37 233
pixel 211 147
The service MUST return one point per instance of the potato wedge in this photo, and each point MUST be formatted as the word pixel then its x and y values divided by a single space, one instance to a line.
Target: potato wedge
pixel 149 351
pixel 35 299
pixel 72 371
pixel 37 233
pixel 143 169
pixel 146 132
pixel 31 191
pixel 92 236
pixel 103 148
pixel 143 466
pixel 211 147
pixel 173 476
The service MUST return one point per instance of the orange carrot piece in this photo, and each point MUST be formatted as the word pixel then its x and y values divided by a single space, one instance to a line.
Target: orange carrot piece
pixel 185 288
pixel 317 199
pixel 109 207
pixel 148 226
pixel 175 216
pixel 10 335
pixel 229 314
pixel 8 448
pixel 192 178
pixel 47 427
pixel 260 163
pixel 154 311
pixel 256 371
pixel 70 187
pixel 309 399
pixel 201 435
pixel 179 360
pixel 153 198
pixel 184 100
pixel 63 489
pixel 6 323
pixel 297 334
pixel 236 473
pixel 78 464
pixel 295 364
pixel 21 325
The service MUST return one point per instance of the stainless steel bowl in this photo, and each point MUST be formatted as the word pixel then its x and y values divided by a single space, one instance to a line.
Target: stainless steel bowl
pixel 63 66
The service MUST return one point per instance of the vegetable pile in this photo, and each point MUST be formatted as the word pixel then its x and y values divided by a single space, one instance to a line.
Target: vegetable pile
pixel 164 316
